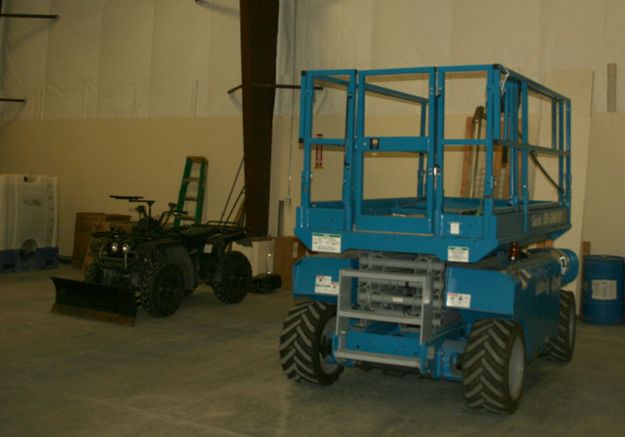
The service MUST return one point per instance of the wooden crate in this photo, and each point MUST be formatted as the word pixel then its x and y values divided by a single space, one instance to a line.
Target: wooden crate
pixel 107 226
pixel 86 224
pixel 287 250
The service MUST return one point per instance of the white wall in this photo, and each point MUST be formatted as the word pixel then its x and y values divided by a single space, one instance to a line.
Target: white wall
pixel 165 58
pixel 176 58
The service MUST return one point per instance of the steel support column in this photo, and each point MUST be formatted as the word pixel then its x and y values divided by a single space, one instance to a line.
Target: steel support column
pixel 259 35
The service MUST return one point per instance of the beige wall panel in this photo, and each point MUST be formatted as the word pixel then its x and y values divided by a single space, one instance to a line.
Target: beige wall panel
pixel 605 207
pixel 125 59
pixel 95 158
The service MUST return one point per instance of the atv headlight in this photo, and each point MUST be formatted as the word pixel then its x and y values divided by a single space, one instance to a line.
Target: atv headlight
pixel 125 248
pixel 114 247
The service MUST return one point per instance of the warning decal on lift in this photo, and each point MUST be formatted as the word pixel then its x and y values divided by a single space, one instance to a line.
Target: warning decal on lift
pixel 324 285
pixel 458 300
pixel 326 243
pixel 454 228
pixel 603 289
pixel 459 254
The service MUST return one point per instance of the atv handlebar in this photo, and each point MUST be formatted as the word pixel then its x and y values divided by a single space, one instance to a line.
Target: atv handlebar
pixel 128 198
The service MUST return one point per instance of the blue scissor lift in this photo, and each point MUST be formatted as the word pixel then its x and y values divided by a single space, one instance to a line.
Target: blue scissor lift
pixel 439 284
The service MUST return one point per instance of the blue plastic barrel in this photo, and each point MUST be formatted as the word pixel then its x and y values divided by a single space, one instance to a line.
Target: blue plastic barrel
pixel 603 302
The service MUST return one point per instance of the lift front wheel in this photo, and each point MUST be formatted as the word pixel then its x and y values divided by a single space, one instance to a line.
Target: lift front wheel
pixel 306 343
pixel 493 366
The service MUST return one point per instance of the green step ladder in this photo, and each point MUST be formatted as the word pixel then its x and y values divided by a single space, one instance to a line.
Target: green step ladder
pixel 194 176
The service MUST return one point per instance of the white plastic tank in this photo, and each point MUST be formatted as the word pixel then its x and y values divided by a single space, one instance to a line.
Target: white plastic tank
pixel 28 212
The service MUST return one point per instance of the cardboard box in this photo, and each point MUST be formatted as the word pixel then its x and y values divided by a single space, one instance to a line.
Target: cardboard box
pixel 287 250
pixel 86 224
pixel 106 226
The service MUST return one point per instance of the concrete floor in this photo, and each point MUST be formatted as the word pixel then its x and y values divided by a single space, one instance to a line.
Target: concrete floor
pixel 212 369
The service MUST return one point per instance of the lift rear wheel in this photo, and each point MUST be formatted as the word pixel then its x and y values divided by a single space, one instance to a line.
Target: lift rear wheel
pixel 306 343
pixel 162 289
pixel 562 345
pixel 493 366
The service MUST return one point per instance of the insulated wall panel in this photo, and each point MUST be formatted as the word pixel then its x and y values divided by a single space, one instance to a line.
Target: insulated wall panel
pixel 125 59
pixel 408 33
pixel 224 71
pixel 25 51
pixel 503 32
pixel 574 36
pixel 180 68
pixel 73 61
pixel 334 34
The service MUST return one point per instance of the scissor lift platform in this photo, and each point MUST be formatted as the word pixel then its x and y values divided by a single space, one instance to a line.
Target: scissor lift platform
pixel 432 222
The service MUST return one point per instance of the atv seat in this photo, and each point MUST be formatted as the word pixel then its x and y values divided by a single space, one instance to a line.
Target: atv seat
pixel 200 231
pixel 198 234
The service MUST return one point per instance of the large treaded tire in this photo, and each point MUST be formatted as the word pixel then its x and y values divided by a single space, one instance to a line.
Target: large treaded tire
pixel 306 340
pixel 235 272
pixel 162 289
pixel 94 274
pixel 562 345
pixel 493 366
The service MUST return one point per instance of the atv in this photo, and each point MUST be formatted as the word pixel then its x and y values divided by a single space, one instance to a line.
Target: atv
pixel 155 266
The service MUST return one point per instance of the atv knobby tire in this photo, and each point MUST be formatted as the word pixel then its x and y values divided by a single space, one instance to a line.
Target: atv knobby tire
pixel 562 345
pixel 162 289
pixel 306 342
pixel 493 365
pixel 235 273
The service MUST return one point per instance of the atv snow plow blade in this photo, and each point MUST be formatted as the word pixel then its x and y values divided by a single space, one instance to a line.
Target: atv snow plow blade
pixel 89 300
